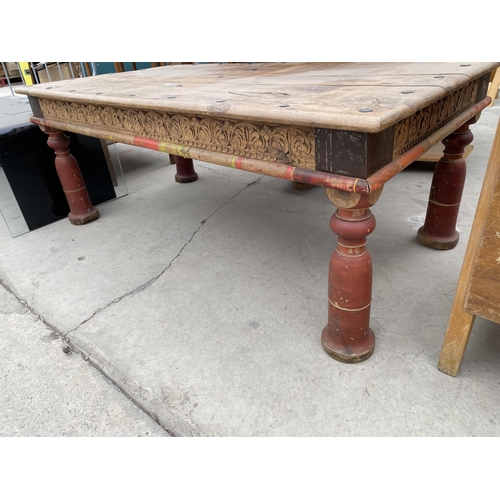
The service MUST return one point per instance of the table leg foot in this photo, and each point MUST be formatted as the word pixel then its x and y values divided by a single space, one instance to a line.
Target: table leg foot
pixel 437 242
pixel 439 229
pixel 81 209
pixel 78 220
pixel 347 353
pixel 300 186
pixel 185 170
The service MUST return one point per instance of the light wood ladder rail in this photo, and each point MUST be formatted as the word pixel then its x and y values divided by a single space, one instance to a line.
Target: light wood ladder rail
pixel 494 84
pixel 479 278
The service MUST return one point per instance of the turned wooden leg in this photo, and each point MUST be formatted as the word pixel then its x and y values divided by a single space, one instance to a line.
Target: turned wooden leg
pixel 347 337
pixel 80 206
pixel 439 229
pixel 49 173
pixel 185 170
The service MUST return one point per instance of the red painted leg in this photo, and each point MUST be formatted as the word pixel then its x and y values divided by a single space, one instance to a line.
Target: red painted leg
pixel 347 337
pixel 81 208
pixel 439 229
pixel 185 170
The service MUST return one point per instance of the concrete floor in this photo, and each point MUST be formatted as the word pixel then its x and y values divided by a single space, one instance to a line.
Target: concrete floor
pixel 204 304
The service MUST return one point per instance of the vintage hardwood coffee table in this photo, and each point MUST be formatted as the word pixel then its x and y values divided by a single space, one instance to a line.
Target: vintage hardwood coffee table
pixel 349 127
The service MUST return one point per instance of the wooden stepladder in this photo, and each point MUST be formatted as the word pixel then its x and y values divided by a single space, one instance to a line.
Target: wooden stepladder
pixel 478 290
pixel 494 85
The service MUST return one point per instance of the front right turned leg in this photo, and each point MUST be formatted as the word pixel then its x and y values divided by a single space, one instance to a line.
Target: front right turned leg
pixel 347 336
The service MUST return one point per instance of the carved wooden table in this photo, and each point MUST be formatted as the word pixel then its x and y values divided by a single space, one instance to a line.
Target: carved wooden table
pixel 349 127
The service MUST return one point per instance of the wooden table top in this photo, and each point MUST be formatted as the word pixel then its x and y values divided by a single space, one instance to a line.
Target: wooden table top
pixel 366 97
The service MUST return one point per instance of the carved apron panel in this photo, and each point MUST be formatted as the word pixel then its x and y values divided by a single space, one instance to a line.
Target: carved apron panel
pixel 414 129
pixel 283 144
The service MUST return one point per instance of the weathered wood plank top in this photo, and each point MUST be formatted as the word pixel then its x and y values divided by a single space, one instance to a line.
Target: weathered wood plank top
pixel 327 95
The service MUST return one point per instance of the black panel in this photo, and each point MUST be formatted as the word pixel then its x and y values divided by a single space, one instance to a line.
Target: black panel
pixel 28 164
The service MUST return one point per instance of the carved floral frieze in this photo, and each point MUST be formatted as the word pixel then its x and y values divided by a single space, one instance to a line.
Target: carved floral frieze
pixel 284 144
pixel 412 130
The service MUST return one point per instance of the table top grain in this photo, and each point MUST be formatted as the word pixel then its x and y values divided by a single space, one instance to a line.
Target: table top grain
pixel 367 97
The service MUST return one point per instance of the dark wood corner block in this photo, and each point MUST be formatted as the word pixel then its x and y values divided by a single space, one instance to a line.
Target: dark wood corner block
pixel 356 154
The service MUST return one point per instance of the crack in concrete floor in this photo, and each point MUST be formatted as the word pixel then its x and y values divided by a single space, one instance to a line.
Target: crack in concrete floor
pixel 148 283
pixel 31 310
pixel 70 349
